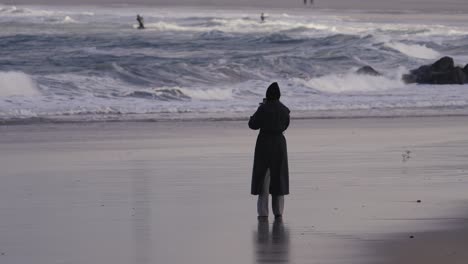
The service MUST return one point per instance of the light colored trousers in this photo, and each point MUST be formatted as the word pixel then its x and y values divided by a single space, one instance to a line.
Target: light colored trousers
pixel 277 201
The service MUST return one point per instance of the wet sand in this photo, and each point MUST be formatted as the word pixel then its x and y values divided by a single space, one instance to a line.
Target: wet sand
pixel 432 247
pixel 178 192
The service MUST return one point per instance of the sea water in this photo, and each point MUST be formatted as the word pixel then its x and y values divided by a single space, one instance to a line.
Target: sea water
pixel 92 63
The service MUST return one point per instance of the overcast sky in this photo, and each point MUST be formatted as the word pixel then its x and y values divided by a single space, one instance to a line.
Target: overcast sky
pixel 453 5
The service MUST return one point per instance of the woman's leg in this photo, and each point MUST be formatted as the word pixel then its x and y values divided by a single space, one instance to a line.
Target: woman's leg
pixel 277 204
pixel 262 203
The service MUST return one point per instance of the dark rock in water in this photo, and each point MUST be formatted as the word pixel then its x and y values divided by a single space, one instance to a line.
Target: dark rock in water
pixel 443 64
pixel 368 70
pixel 454 76
pixel 419 75
pixel 442 71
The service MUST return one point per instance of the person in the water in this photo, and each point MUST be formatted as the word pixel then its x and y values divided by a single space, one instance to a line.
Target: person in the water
pixel 140 22
pixel 262 17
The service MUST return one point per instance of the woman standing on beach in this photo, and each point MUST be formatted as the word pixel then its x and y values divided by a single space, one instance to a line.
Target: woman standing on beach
pixel 270 170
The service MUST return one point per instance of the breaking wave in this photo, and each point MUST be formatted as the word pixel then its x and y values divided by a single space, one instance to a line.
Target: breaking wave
pixel 352 82
pixel 163 94
pixel 14 10
pixel 17 83
pixel 414 50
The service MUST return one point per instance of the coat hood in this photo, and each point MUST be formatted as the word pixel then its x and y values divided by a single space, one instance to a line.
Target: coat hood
pixel 273 92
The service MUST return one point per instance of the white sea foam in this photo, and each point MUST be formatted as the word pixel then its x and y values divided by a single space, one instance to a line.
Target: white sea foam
pixel 241 26
pixel 13 10
pixel 68 20
pixel 87 13
pixel 414 50
pixel 17 83
pixel 22 11
pixel 60 20
pixel 166 26
pixel 352 82
pixel 208 94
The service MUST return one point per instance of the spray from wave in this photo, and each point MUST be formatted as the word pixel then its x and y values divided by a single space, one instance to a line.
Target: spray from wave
pixel 414 50
pixel 352 82
pixel 17 83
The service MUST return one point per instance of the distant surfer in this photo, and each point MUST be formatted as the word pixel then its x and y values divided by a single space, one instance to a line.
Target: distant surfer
pixel 140 22
pixel 262 17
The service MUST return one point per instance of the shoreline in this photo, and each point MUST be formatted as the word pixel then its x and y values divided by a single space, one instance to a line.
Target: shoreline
pixel 244 116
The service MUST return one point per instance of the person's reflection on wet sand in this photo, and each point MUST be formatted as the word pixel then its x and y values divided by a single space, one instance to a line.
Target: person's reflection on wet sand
pixel 274 246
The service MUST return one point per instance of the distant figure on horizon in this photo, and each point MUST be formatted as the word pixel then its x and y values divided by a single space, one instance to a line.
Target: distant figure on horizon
pixel 262 17
pixel 140 22
pixel 270 169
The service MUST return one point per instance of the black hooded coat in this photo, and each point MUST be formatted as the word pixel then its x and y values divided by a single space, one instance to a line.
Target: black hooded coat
pixel 272 118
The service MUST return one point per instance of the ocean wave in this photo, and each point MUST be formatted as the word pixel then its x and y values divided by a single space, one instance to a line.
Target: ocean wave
pixel 352 82
pixel 216 94
pixel 182 94
pixel 60 20
pixel 14 10
pixel 22 11
pixel 243 25
pixel 17 84
pixel 68 20
pixel 163 94
pixel 276 38
pixel 36 11
pixel 129 76
pixel 214 35
pixel 414 50
pixel 163 26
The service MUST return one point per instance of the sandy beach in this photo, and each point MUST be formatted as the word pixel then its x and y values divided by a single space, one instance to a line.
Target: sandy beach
pixel 178 192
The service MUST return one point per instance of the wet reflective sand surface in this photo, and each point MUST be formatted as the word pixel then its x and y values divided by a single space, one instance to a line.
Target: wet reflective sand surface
pixel 178 192
pixel 271 245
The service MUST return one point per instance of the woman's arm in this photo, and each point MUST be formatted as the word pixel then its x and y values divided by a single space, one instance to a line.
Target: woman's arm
pixel 256 121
